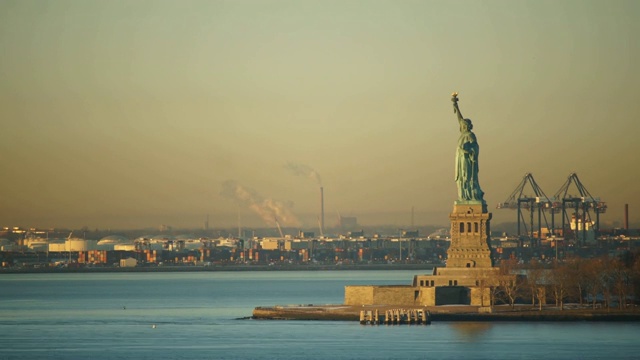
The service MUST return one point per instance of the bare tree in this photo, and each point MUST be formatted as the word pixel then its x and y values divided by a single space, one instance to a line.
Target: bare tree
pixel 607 278
pixel 531 281
pixel 577 278
pixel 535 283
pixel 635 278
pixel 559 282
pixel 592 269
pixel 620 276
pixel 510 283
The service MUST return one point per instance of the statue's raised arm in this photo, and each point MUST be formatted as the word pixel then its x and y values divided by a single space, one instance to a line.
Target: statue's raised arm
pixel 456 109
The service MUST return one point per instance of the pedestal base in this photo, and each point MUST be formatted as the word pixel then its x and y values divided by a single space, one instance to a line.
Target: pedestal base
pixel 470 234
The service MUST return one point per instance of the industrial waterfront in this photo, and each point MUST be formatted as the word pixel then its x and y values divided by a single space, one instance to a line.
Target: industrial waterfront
pixel 34 249
pixel 168 252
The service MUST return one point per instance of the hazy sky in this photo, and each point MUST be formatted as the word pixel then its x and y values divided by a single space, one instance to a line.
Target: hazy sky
pixel 129 114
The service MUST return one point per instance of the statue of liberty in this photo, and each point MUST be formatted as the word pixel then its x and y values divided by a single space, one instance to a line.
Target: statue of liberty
pixel 466 159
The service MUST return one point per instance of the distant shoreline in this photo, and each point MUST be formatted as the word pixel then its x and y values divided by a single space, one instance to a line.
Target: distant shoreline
pixel 291 267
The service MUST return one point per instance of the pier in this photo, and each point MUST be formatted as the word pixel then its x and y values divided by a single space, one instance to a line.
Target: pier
pixel 395 316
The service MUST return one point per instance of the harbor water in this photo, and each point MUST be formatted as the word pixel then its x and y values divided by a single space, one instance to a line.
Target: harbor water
pixel 199 315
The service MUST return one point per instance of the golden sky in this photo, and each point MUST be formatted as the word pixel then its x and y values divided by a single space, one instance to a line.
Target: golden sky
pixel 129 114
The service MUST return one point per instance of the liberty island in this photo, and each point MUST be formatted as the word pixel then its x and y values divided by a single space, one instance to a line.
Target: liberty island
pixel 470 281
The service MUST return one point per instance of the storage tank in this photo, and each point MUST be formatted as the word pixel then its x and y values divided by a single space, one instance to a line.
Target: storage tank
pixel 74 245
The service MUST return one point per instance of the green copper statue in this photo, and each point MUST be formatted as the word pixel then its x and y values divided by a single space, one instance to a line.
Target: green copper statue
pixel 466 159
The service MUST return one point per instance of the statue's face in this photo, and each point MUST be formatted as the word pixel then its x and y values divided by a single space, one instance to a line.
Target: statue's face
pixel 467 124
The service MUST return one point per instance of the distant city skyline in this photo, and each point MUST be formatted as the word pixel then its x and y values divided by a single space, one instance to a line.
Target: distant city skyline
pixel 132 114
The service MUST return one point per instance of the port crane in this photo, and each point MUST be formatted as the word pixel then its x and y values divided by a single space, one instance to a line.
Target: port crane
pixel 539 202
pixel 582 205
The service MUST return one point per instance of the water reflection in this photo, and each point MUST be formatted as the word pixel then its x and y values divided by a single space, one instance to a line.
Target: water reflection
pixel 471 331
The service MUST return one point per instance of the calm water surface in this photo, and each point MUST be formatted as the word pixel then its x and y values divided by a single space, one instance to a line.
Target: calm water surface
pixel 112 316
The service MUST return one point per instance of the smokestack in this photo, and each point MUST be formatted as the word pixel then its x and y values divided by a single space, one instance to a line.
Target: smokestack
pixel 626 216
pixel 321 209
pixel 239 225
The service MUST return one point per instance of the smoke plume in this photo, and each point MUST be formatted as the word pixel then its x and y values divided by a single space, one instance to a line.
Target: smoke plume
pixel 267 209
pixel 304 170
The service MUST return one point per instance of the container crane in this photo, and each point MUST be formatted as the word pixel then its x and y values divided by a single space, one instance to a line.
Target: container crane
pixel 540 202
pixel 584 201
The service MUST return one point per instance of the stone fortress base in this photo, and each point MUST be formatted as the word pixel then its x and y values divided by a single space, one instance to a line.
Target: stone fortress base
pixel 466 279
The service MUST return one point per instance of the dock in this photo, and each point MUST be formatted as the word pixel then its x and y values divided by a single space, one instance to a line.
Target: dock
pixel 368 315
pixel 395 317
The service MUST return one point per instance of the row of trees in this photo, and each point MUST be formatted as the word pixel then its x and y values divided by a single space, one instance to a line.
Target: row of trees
pixel 603 281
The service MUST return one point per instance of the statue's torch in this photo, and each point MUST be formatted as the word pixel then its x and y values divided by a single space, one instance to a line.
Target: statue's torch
pixel 454 98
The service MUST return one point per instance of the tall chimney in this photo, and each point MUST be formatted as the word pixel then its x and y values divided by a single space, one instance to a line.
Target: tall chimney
pixel 321 209
pixel 239 225
pixel 626 216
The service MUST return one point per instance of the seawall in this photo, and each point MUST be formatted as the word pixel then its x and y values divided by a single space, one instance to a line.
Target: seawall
pixel 446 313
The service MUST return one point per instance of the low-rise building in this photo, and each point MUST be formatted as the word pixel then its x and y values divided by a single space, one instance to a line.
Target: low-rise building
pixel 128 262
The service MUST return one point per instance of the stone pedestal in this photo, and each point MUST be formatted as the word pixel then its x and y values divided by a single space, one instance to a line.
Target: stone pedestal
pixel 470 234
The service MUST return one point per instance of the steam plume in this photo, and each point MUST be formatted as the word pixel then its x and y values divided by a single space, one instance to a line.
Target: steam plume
pixel 304 170
pixel 267 209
